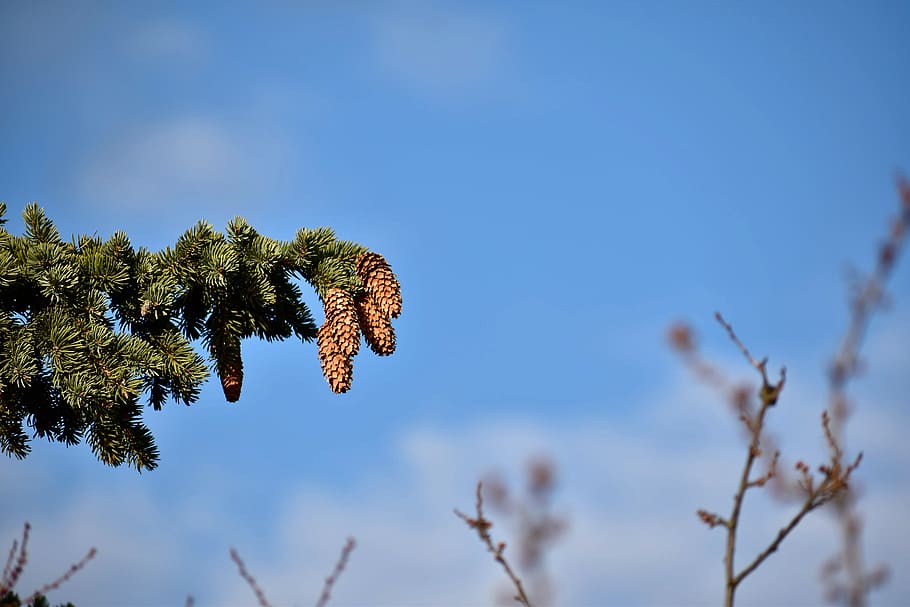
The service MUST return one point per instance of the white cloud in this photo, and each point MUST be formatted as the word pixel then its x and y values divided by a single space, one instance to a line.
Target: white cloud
pixel 440 51
pixel 153 164
pixel 197 161
pixel 628 487
pixel 631 497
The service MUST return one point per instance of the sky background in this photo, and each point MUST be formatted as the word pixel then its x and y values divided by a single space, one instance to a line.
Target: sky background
pixel 554 184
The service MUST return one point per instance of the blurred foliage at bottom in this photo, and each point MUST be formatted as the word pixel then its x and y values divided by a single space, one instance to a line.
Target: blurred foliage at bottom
pixel 11 599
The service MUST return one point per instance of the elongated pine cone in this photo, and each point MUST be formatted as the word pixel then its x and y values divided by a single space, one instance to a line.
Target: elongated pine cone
pixel 376 326
pixel 231 373
pixel 341 321
pixel 337 366
pixel 380 282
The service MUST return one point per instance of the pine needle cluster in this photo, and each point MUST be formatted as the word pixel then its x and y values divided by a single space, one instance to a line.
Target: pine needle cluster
pixel 91 328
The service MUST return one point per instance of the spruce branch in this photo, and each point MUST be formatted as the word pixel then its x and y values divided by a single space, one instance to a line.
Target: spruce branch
pixel 89 327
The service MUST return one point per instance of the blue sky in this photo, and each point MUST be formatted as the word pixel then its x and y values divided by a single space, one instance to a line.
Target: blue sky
pixel 554 184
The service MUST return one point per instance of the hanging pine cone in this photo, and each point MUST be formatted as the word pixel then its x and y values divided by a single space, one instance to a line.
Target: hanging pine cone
pixel 376 326
pixel 341 321
pixel 378 279
pixel 337 366
pixel 341 375
pixel 231 373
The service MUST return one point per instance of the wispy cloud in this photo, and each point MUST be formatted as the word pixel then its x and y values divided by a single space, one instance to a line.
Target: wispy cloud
pixel 630 500
pixel 199 160
pixel 441 50
pixel 629 488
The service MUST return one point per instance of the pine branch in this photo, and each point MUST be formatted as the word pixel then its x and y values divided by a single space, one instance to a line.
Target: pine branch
pixel 88 327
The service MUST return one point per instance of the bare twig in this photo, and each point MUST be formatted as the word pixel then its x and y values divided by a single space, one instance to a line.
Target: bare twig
pixel 833 485
pixel 482 526
pixel 9 563
pixel 760 365
pixel 835 474
pixel 250 580
pixel 807 507
pixel 536 527
pixel 74 568
pixel 333 577
pixel 769 398
pixel 15 564
pixel 867 297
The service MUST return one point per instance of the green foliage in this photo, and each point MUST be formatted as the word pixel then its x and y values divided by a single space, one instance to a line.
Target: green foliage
pixel 91 326
pixel 11 599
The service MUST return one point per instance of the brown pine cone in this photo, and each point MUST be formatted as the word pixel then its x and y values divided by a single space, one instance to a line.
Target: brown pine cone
pixel 376 326
pixel 341 321
pixel 231 373
pixel 337 365
pixel 377 278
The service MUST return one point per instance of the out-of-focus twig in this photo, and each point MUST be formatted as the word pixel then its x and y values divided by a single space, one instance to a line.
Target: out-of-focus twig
pixel 482 526
pixel 250 580
pixel 866 297
pixel 333 577
pixel 74 568
pixel 15 565
pixel 534 525
pixel 816 494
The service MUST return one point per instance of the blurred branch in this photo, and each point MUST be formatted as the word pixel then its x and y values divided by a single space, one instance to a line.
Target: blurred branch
pixel 250 580
pixel 534 525
pixel 867 296
pixel 482 526
pixel 333 577
pixel 16 564
pixel 74 568
pixel 834 474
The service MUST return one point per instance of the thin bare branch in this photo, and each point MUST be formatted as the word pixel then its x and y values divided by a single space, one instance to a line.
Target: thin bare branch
pixel 250 580
pixel 807 507
pixel 867 296
pixel 8 568
pixel 733 580
pixel 15 564
pixel 482 526
pixel 74 568
pixel 760 365
pixel 333 577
